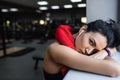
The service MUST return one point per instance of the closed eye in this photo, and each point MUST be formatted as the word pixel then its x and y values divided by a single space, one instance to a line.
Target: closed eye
pixel 92 42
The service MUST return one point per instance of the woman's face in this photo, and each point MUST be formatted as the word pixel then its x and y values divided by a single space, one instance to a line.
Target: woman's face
pixel 89 42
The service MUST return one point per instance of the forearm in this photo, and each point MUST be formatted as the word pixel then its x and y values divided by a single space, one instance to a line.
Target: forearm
pixel 110 59
pixel 105 67
pixel 115 65
pixel 112 50
pixel 111 68
pixel 104 53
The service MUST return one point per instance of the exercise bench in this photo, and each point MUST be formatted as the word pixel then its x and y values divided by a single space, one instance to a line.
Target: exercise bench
pixel 37 58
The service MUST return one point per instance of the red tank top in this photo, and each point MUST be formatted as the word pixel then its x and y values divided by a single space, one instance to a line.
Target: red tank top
pixel 64 36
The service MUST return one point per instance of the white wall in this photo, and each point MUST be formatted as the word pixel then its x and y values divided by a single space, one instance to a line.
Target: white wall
pixel 102 9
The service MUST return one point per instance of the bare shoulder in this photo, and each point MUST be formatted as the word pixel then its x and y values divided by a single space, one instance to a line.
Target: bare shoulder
pixel 54 50
pixel 53 47
pixel 60 53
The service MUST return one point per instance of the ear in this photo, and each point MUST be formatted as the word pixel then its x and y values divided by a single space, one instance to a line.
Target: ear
pixel 83 29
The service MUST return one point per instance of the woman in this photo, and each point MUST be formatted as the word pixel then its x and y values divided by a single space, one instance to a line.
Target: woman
pixel 97 37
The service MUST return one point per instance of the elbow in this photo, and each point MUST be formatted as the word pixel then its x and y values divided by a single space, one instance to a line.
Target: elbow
pixel 115 73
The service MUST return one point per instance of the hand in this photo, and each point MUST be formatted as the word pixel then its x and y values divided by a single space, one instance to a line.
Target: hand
pixel 100 55
pixel 103 54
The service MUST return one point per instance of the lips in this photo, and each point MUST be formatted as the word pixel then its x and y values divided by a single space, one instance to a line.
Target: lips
pixel 84 53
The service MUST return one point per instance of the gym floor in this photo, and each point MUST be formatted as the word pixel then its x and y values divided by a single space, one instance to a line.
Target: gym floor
pixel 22 67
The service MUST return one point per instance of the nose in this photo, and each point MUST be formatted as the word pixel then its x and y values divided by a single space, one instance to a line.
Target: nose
pixel 89 50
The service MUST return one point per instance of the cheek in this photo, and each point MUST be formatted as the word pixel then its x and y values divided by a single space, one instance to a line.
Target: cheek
pixel 80 43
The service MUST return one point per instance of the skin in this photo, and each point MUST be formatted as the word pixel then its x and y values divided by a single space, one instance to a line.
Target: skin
pixel 89 42
pixel 58 55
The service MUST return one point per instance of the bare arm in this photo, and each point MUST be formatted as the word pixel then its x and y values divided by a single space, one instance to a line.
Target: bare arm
pixel 63 55
pixel 103 54
pixel 110 59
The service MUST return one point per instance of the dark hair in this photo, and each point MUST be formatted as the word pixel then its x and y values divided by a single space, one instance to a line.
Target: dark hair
pixel 110 30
